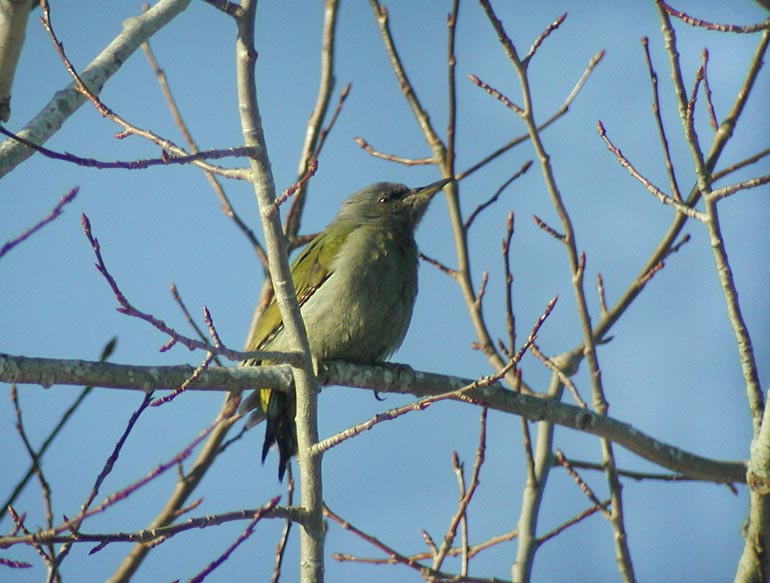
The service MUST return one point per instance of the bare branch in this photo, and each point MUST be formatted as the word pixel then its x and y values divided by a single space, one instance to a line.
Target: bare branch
pixel 106 353
pixel 496 94
pixel 707 90
pixel 572 522
pixel 731 189
pixel 654 190
pixel 176 114
pixel 392 157
pixel 125 307
pixel 164 160
pixel 438 265
pixel 691 20
pixel 13 28
pixel 465 498
pixel 563 109
pixel 548 229
pixel 315 134
pixel 280 549
pixel 386 378
pixel 542 36
pixel 300 184
pixel 154 536
pixel 510 319
pixel 258 515
pixel 407 89
pixel 396 557
pixel 55 212
pixel 659 122
pixel 306 387
pixel 73 523
pixel 493 199
pixel 65 102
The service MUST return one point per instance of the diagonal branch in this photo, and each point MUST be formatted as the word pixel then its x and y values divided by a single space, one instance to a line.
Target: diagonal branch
pixel 68 100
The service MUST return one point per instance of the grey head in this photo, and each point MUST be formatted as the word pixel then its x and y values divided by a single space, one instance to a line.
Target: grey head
pixel 389 204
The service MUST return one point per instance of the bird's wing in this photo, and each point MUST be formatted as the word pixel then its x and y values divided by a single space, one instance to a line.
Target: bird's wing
pixel 309 270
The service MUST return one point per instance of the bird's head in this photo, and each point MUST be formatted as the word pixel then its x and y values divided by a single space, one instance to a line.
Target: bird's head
pixel 389 203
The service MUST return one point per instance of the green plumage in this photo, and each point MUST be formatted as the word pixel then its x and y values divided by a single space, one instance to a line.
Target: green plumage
pixel 356 283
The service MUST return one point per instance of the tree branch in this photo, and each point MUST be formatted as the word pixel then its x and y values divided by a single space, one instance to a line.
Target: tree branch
pixel 393 378
pixel 66 101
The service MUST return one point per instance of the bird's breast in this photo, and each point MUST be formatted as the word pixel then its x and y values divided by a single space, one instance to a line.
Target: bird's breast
pixel 362 311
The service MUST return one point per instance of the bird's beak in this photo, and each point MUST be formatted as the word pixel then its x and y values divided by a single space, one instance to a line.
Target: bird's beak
pixel 432 188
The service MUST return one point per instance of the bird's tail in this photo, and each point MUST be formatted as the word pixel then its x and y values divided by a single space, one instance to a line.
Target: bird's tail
pixel 280 429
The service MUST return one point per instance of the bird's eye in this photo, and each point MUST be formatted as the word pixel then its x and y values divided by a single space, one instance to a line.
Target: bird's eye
pixel 390 197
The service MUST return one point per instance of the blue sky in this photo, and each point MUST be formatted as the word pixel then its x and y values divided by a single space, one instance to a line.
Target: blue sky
pixel 671 369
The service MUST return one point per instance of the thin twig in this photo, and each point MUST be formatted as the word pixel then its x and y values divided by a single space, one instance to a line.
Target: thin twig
pixel 542 36
pixel 391 157
pixel 55 212
pixel 496 94
pixel 510 318
pixel 248 531
pixel 150 536
pixel 548 229
pixel 563 377
pixel 326 130
pixel 600 293
pixel 659 122
pixel 45 549
pixel 188 316
pixel 742 164
pixel 216 186
pixel 396 557
pixel 312 166
pixel 641 476
pixel 715 26
pixel 105 355
pixel 585 488
pixel 451 136
pixel 407 89
pixel 493 199
pixel 563 109
pixel 651 188
pixel 122 494
pixel 109 464
pixel 572 521
pixel 125 307
pixel 473 550
pixel 280 548
pixel 707 90
pixel 164 160
pixel 437 264
pixel 128 129
pixel 726 191
pixel 315 133
pixel 465 498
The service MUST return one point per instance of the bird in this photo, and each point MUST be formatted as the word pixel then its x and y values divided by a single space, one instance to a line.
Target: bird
pixel 356 284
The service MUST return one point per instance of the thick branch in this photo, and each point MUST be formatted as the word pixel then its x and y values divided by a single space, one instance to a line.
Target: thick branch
pixel 306 389
pixel 13 25
pixel 386 378
pixel 65 102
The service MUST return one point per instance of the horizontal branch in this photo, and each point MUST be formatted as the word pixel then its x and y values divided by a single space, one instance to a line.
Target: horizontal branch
pixel 50 371
pixel 153 535
pixel 394 378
